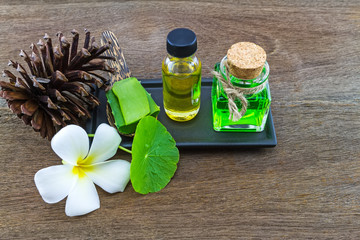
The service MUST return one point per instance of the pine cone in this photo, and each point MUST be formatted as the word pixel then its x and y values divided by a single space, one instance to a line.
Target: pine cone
pixel 57 88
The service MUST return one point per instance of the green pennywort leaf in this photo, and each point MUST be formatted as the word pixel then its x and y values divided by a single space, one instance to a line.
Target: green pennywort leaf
pixel 154 156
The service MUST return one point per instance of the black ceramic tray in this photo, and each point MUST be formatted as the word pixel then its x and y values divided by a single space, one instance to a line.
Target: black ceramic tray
pixel 197 132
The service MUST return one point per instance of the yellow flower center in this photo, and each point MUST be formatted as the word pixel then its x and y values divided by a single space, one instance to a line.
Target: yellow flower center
pixel 80 170
pixel 86 161
pixel 77 170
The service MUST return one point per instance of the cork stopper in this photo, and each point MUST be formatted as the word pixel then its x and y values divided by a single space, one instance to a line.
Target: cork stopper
pixel 246 60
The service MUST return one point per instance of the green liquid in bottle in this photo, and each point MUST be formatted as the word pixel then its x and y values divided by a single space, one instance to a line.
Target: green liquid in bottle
pixel 258 105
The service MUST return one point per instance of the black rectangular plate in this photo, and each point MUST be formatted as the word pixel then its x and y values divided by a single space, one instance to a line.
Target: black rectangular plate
pixel 197 132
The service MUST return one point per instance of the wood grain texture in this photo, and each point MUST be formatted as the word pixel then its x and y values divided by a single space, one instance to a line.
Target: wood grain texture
pixel 308 187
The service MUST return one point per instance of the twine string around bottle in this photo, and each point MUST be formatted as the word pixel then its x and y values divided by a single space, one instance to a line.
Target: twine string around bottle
pixel 235 92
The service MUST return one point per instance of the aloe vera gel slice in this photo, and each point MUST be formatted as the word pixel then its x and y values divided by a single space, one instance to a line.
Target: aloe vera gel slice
pixel 132 99
pixel 154 109
pixel 118 117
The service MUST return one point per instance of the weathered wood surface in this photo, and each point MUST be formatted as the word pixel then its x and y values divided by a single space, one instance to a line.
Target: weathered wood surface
pixel 306 187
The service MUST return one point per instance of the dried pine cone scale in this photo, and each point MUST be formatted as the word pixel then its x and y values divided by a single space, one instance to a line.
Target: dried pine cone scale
pixel 57 87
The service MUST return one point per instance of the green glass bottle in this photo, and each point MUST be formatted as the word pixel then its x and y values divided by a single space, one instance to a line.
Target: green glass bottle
pixel 255 117
pixel 181 74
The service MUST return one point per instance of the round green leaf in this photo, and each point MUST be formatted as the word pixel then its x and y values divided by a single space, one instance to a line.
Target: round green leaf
pixel 154 156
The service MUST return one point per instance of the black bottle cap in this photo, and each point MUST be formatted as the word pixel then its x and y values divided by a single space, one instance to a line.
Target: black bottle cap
pixel 181 43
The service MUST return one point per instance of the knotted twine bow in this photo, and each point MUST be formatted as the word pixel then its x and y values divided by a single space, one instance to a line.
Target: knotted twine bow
pixel 234 92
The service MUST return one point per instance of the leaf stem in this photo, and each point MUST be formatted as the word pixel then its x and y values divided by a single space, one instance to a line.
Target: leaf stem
pixel 125 149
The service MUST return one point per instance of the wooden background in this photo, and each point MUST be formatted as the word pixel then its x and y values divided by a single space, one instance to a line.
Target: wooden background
pixel 306 187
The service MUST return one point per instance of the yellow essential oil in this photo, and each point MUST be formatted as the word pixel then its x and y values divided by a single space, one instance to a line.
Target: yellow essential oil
pixel 181 89
pixel 181 73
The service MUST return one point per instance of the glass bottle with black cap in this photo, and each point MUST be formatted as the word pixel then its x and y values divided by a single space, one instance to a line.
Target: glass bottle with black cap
pixel 181 74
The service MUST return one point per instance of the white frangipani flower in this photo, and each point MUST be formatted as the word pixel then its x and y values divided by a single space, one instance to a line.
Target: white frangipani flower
pixel 82 168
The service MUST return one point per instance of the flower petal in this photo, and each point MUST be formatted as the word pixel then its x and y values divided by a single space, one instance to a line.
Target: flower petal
pixel 54 183
pixel 71 144
pixel 112 176
pixel 83 198
pixel 104 146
